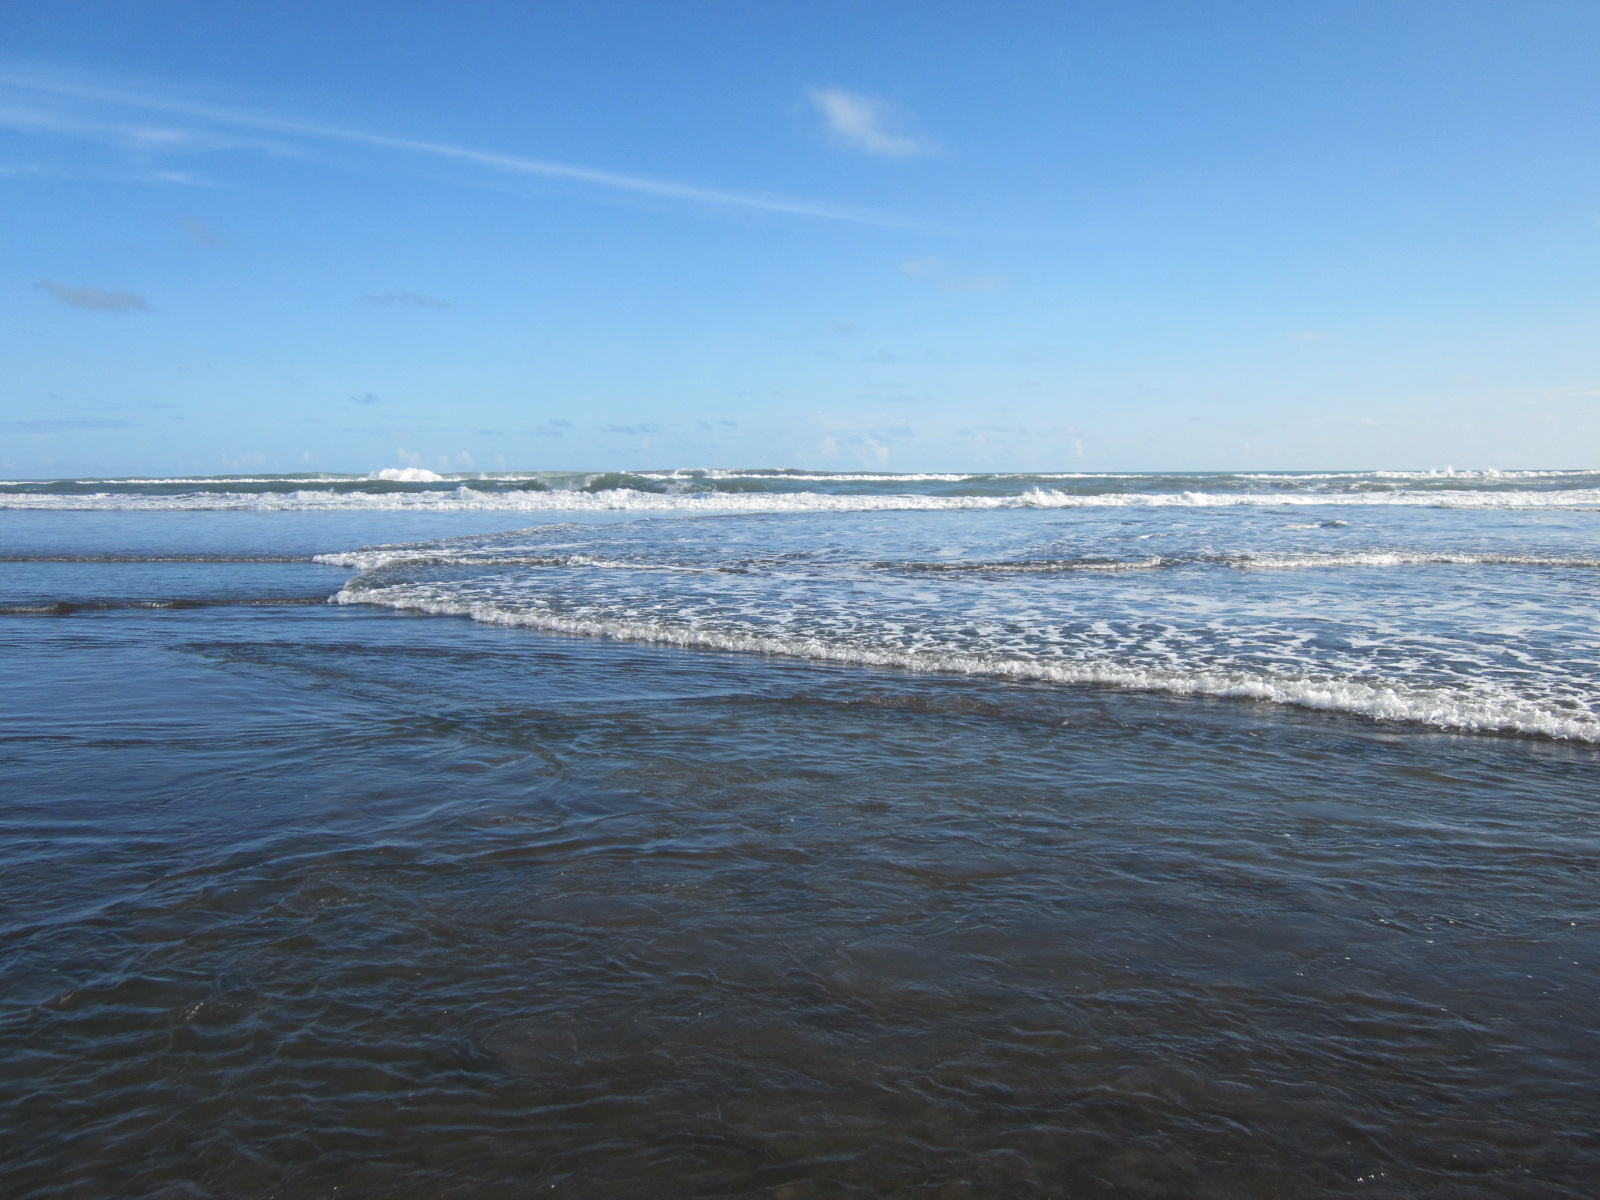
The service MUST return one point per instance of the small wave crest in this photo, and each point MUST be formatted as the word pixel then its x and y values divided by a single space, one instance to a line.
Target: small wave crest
pixel 408 475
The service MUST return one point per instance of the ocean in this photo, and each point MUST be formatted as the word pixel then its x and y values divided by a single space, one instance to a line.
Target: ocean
pixel 799 834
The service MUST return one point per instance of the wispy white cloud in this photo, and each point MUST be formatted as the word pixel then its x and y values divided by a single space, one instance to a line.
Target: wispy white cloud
pixel 869 124
pixel 94 299
pixel 42 109
pixel 119 113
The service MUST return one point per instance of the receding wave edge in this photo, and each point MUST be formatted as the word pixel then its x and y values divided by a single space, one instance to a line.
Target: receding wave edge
pixel 1438 707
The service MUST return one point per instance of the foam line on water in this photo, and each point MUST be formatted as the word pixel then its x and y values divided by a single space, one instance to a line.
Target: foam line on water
pixel 1400 558
pixel 1249 561
pixel 371 558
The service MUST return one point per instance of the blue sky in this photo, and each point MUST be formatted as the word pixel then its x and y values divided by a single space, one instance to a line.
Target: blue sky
pixel 919 236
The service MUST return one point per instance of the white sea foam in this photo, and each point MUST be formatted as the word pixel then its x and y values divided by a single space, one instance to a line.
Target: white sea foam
pixel 380 556
pixel 1401 558
pixel 466 499
pixel 1479 710
pixel 1254 560
pixel 177 480
pixel 689 476
pixel 408 475
pixel 963 476
pixel 1436 473
pixel 373 557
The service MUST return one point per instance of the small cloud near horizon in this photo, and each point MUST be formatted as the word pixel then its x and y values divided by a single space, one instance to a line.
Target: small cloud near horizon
pixel 367 398
pixel 404 299
pixel 866 123
pixel 93 299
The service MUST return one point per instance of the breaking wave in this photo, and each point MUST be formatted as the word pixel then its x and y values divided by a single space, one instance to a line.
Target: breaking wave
pixel 467 499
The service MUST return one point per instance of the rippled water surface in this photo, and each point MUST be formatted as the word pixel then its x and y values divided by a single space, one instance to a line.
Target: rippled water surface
pixel 739 855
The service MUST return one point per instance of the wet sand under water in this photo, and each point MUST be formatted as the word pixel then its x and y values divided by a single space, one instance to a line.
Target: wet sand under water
pixel 304 901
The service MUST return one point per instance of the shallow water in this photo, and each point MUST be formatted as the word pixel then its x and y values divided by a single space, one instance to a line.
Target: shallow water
pixel 306 899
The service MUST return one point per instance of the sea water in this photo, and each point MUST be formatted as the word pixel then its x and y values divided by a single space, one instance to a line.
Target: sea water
pixel 781 833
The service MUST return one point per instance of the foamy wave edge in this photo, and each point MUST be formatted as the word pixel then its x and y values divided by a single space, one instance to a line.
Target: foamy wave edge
pixel 373 557
pixel 465 499
pixel 1434 707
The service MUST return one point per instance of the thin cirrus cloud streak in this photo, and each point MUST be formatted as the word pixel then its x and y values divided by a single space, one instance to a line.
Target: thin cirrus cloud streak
pixel 37 88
